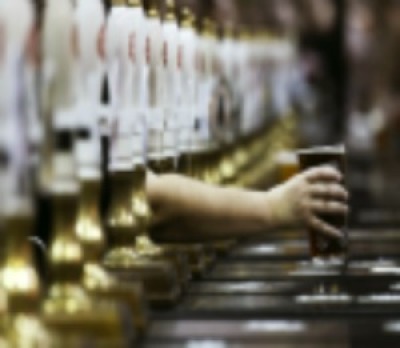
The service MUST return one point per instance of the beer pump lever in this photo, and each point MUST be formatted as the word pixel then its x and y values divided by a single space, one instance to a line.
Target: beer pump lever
pixel 72 316
pixel 90 228
pixel 128 212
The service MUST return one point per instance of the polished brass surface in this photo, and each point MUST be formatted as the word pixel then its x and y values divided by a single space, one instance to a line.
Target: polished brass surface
pixel 69 314
pixel 118 2
pixel 153 9
pixel 21 285
pixel 209 28
pixel 66 254
pixel 170 8
pixel 227 168
pixel 134 3
pixel 89 225
pixel 153 13
pixel 188 18
pixel 26 330
pixel 96 280
pixel 127 219
pixel 4 319
pixel 121 223
pixel 19 277
pixel 140 204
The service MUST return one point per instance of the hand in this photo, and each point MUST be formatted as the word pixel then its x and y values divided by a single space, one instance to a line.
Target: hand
pixel 301 199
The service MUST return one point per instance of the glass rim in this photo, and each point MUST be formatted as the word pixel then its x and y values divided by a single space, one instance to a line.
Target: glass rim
pixel 323 149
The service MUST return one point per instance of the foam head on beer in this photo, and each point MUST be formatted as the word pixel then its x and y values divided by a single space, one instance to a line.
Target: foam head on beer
pixel 287 164
pixel 333 156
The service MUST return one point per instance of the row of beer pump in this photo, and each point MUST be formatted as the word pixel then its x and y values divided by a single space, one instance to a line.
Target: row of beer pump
pixel 74 160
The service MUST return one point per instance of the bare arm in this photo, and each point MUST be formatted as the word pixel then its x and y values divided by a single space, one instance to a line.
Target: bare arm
pixel 187 210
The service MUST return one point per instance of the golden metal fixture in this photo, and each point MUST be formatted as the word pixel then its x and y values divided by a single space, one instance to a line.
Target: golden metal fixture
pixel 19 276
pixel 21 285
pixel 134 3
pixel 68 313
pixel 187 18
pixel 210 28
pixel 96 280
pixel 229 30
pixel 153 13
pixel 170 10
pixel 118 2
pixel 127 219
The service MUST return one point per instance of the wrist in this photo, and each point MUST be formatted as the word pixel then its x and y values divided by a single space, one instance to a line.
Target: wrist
pixel 276 208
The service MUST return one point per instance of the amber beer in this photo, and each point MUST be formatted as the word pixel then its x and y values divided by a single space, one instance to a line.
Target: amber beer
pixel 323 246
pixel 287 165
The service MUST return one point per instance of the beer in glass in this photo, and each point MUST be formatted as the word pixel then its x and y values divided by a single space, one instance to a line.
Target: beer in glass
pixel 322 246
pixel 287 165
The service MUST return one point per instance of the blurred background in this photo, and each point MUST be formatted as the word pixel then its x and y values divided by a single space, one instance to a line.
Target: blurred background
pixel 263 77
pixel 346 80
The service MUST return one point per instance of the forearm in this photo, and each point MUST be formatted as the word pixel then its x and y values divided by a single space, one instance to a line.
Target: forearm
pixel 187 210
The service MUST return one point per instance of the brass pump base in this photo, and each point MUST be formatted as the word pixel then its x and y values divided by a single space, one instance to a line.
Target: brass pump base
pixel 159 277
pixel 18 276
pixel 99 283
pixel 131 295
pixel 123 260
pixel 73 319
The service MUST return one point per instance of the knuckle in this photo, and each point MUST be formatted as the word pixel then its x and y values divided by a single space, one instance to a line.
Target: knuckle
pixel 311 173
pixel 330 206
pixel 330 190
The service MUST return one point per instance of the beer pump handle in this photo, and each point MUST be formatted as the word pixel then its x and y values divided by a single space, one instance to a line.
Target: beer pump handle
pixel 90 46
pixel 58 57
pixel 58 74
pixel 16 192
pixel 120 80
pixel 112 48
pixel 89 36
pixel 90 58
pixel 14 123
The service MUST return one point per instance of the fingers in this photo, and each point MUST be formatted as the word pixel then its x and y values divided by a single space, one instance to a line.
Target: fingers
pixel 328 207
pixel 324 228
pixel 323 173
pixel 331 191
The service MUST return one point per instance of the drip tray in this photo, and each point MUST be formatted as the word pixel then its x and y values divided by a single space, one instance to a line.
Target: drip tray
pixel 281 333
pixel 245 288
